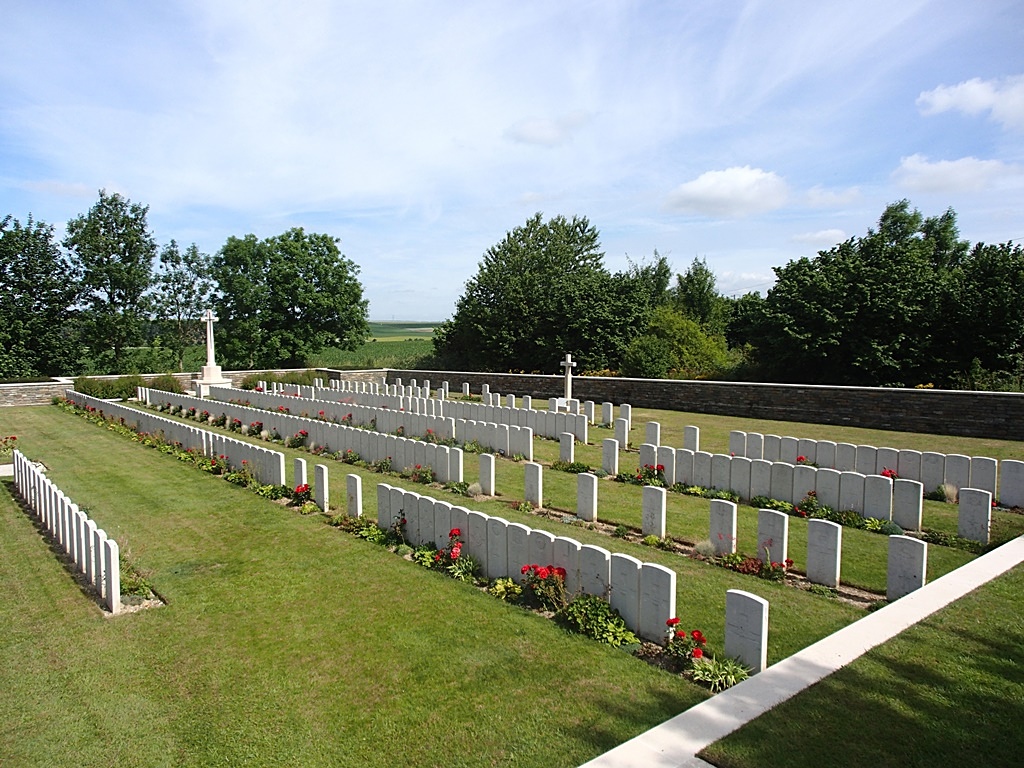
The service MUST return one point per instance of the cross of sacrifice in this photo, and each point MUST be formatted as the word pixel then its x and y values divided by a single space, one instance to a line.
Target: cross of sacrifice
pixel 568 364
pixel 210 320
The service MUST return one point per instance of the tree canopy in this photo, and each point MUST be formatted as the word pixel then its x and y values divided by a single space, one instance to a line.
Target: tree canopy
pixel 544 291
pixel 285 298
pixel 115 249
pixel 183 291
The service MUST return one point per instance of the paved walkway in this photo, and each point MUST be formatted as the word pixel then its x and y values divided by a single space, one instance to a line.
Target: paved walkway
pixel 674 743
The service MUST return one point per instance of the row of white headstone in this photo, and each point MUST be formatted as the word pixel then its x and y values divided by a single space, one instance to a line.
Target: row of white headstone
pixel 644 594
pixel 371 446
pixel 930 468
pixel 266 465
pixel 95 555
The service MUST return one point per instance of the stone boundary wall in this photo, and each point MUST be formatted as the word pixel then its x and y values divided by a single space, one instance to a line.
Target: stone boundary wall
pixel 943 412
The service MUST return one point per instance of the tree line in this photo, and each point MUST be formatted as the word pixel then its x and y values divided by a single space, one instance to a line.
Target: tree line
pixel 908 304
pixel 108 299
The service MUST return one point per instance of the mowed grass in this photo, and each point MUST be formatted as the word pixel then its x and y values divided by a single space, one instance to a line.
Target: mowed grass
pixel 948 691
pixel 283 641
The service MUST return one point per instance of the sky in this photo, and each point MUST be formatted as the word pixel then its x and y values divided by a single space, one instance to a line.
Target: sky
pixel 747 134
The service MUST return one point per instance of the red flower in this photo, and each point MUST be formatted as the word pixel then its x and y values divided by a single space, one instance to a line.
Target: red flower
pixel 801 459
pixel 672 622
pixel 698 653
pixel 660 468
pixel 543 573
pixel 560 572
pixel 524 569
pixel 454 532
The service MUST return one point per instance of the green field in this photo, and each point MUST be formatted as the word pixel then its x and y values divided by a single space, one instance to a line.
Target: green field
pixel 391 345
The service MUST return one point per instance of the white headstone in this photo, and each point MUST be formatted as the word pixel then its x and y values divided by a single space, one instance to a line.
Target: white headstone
pixel 354 494
pixel 610 456
pixel 567 447
pixel 625 588
pixel 657 601
pixel 622 433
pixel 975 515
pixel 497 548
pixel 907 567
pixel 691 438
pixel 907 504
pixel 878 497
pixel 652 433
pixel 824 552
pixel 535 485
pixel 653 501
pixel 595 570
pixel 772 536
pixel 586 497
pixel 487 474
pixel 746 629
pixel 723 526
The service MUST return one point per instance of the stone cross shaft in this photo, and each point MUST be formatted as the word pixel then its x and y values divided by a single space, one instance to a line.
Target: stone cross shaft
pixel 210 320
pixel 568 364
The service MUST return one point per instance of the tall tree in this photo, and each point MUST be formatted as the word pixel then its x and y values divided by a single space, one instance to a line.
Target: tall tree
pixel 38 292
pixel 116 250
pixel 544 291
pixel 184 288
pixel 696 295
pixel 285 298
pixel 862 312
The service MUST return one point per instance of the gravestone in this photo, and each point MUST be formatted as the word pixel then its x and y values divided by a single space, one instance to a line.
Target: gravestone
pixel 534 485
pixel 475 537
pixel 907 504
pixel 588 411
pixel 657 601
pixel 565 553
pixel 666 459
pixel 527 403
pixel 825 454
pixel 610 456
pixel 1011 489
pixel 625 588
pixel 568 364
pixel 626 412
pixel 112 575
pixel 541 547
pixel 851 491
pixel 567 447
pixel 426 535
pixel 648 455
pixel 622 433
pixel 826 483
pixel 684 466
pixel 755 445
pixel 907 567
pixel 984 472
pixel 652 433
pixel 442 523
pixel 299 472
pixel 805 480
pixel 383 506
pixel 702 469
pixel 595 570
pixel 878 497
pixel 723 526
pixel 909 465
pixel 607 413
pixel 321 489
pixel 772 447
pixel 887 458
pixel 760 478
pixel 739 476
pixel 354 495
pixel 772 536
pixel 691 438
pixel 824 552
pixel 846 457
pixel 958 470
pixel 487 474
pixel 497 548
pixel 746 629
pixel 782 481
pixel 933 470
pixel 737 443
pixel 808 449
pixel 653 516
pixel 866 458
pixel 518 550
pixel 789 449
pixel 586 497
pixel 974 520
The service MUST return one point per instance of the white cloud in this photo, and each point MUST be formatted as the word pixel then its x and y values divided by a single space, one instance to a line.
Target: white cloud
pixel 1002 98
pixel 732 193
pixel 968 174
pixel 824 238
pixel 820 197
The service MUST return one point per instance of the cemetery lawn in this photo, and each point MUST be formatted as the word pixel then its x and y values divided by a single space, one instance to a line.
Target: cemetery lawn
pixel 948 691
pixel 283 641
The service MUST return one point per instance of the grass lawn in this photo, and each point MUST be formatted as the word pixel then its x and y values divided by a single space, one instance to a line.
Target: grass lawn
pixel 948 691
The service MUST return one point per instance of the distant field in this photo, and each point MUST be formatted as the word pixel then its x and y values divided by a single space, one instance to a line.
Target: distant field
pixel 401 331
pixel 385 353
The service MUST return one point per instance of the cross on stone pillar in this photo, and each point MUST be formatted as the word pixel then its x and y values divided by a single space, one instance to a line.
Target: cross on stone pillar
pixel 210 320
pixel 568 364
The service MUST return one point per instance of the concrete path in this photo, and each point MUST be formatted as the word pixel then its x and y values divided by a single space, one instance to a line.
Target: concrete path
pixel 674 743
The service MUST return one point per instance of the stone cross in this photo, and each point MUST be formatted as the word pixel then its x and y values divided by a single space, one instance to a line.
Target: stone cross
pixel 210 320
pixel 568 364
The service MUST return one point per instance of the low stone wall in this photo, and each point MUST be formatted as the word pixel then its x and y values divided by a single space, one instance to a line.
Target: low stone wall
pixel 943 412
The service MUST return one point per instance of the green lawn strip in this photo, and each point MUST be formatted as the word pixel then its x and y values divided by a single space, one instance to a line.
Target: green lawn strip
pixel 947 691
pixel 283 641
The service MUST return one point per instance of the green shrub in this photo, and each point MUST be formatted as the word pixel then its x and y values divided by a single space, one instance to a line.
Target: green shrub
pixel 505 589
pixel 592 616
pixel 572 467
pixel 719 674
pixel 166 383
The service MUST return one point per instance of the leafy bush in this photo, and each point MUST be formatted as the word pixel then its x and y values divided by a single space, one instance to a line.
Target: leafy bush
pixel 719 674
pixel 943 539
pixel 572 467
pixel 166 383
pixel 545 586
pixel 106 389
pixel 592 616
pixel 682 649
pixel 505 589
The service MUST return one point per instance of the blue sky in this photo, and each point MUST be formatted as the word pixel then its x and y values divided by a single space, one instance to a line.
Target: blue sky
pixel 746 133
